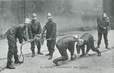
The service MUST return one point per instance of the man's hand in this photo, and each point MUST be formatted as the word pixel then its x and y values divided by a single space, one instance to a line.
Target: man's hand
pixel 42 41
pixel 23 43
pixel 104 27
pixel 49 39
pixel 37 35
pixel 109 28
pixel 36 38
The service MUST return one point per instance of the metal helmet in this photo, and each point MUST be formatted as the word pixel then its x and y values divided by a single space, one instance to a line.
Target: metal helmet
pixel 76 36
pixel 49 16
pixel 104 14
pixel 27 20
pixel 34 15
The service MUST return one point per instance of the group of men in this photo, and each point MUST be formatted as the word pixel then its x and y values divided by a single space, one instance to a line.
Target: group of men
pixel 32 27
pixel 86 40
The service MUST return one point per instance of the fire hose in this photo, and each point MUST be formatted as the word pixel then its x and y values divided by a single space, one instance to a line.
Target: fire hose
pixel 2 67
pixel 21 47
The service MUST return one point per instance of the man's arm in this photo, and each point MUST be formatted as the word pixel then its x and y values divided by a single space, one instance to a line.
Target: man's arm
pixel 44 29
pixel 19 33
pixel 25 33
pixel 78 49
pixel 108 23
pixel 39 28
pixel 53 33
pixel 30 34
pixel 99 23
pixel 42 34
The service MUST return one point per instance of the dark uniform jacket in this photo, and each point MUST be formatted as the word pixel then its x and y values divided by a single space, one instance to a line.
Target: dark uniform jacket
pixel 34 28
pixel 102 24
pixel 17 32
pixel 88 40
pixel 50 28
pixel 66 41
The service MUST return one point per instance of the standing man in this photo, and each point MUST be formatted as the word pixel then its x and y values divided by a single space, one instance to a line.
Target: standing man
pixel 62 45
pixel 103 27
pixel 14 33
pixel 34 30
pixel 50 29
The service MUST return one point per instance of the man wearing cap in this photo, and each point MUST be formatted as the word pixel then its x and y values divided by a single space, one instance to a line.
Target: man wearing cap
pixel 14 33
pixel 50 29
pixel 62 45
pixel 86 40
pixel 34 30
pixel 103 27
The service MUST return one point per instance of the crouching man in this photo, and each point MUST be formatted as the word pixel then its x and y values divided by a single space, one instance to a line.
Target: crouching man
pixel 62 45
pixel 14 33
pixel 86 40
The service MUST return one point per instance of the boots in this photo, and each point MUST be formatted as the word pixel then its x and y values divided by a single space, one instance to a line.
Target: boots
pixel 33 55
pixel 50 57
pixel 73 57
pixel 98 52
pixel 40 53
pixel 98 46
pixel 56 63
pixel 82 55
pixel 107 47
pixel 10 66
pixel 47 54
pixel 18 62
pixel 59 59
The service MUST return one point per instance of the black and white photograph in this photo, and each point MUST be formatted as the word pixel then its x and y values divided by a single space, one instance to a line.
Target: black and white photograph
pixel 56 36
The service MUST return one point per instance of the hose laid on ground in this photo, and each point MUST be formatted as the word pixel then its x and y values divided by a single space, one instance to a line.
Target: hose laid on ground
pixel 2 67
pixel 33 40
pixel 21 48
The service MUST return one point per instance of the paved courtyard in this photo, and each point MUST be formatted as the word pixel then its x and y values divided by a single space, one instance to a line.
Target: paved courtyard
pixel 41 64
